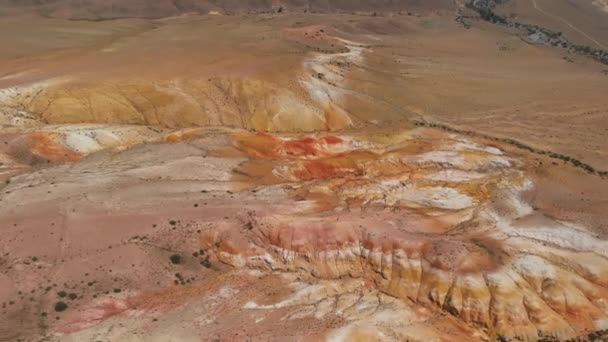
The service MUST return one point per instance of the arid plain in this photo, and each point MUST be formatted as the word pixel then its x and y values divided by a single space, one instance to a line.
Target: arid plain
pixel 412 172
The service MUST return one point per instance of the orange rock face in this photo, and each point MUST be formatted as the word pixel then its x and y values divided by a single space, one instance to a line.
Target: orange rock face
pixel 46 146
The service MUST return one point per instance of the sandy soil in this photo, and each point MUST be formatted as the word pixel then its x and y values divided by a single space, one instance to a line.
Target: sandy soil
pixel 113 9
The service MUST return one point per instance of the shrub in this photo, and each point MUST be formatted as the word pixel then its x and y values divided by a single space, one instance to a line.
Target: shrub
pixel 60 306
pixel 176 259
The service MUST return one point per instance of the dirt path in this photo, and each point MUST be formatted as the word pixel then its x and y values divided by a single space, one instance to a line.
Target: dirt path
pixel 538 8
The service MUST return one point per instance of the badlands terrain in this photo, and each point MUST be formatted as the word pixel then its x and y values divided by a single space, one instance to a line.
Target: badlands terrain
pixel 304 170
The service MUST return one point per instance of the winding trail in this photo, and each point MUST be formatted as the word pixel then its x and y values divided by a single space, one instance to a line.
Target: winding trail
pixel 538 8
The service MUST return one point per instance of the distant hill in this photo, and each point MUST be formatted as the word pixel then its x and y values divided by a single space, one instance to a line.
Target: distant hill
pixel 108 9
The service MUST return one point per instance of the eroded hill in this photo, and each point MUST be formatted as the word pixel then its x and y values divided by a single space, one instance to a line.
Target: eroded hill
pixel 299 177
